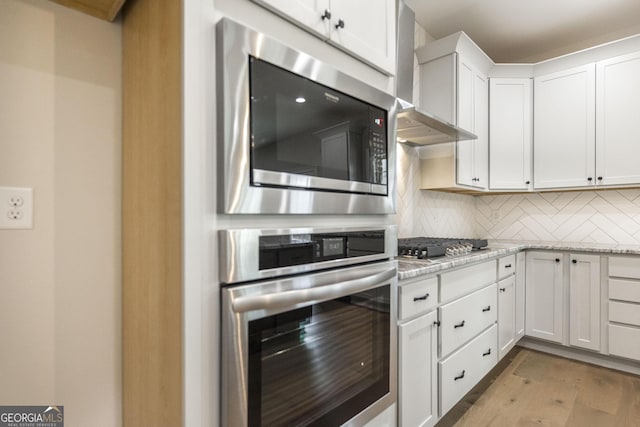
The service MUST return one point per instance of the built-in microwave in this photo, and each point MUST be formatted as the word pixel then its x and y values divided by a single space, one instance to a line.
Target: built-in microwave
pixel 297 136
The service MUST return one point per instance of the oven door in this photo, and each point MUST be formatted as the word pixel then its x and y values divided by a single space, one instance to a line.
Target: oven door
pixel 297 136
pixel 310 350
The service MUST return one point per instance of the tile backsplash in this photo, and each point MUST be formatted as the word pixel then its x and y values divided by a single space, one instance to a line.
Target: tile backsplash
pixel 429 213
pixel 606 217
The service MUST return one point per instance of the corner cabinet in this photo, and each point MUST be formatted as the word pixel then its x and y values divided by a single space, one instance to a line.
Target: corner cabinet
pixel 564 128
pixel 510 133
pixel 365 29
pixel 545 296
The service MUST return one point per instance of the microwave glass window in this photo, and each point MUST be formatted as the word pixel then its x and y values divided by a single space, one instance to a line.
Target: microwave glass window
pixel 301 127
pixel 322 364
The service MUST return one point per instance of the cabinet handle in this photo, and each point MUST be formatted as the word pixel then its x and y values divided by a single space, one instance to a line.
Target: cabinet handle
pixel 488 352
pixel 590 179
pixel 340 24
pixel 460 325
pixel 503 289
pixel 557 259
pixel 459 377
pixel 326 14
pixel 528 182
pixel 507 266
pixel 599 178
pixel 575 261
pixel 487 308
pixel 421 298
pixel 437 323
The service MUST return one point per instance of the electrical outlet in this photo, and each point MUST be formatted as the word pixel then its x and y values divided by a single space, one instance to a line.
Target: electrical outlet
pixel 16 208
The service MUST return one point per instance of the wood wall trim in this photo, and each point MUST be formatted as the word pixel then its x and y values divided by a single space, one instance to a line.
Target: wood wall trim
pixel 152 294
pixel 103 9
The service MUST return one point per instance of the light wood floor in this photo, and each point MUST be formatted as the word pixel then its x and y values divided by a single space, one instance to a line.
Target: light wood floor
pixel 529 388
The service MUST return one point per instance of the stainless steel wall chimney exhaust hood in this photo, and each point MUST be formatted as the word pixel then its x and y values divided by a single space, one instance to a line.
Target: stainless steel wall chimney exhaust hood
pixel 416 127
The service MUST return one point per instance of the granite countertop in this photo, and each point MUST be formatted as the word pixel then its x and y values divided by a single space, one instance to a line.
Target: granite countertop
pixel 409 268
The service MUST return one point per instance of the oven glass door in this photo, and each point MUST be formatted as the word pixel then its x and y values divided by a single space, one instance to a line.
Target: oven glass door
pixel 304 134
pixel 321 364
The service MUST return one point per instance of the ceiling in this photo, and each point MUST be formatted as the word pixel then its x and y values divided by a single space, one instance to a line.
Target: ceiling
pixel 530 31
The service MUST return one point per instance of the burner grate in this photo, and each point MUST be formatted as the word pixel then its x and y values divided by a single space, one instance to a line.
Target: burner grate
pixel 431 247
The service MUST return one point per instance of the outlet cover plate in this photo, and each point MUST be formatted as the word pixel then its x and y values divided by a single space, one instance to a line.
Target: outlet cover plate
pixel 16 208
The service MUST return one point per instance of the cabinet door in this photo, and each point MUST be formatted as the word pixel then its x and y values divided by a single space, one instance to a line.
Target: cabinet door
pixel 510 120
pixel 481 128
pixel 418 392
pixel 506 315
pixel 617 132
pixel 544 296
pixel 520 292
pixel 305 13
pixel 465 95
pixel 564 128
pixel 366 28
pixel 584 301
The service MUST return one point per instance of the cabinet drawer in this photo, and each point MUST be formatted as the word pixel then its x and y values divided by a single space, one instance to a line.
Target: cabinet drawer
pixel 624 312
pixel 624 267
pixel 460 282
pixel 624 341
pixel 506 266
pixel 625 290
pixel 464 318
pixel 463 369
pixel 417 297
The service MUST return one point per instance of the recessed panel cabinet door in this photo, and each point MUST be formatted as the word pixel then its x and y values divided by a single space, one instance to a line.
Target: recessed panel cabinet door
pixel 418 392
pixel 617 114
pixel 564 128
pixel 510 121
pixel 544 295
pixel 481 128
pixel 584 301
pixel 366 28
pixel 306 13
pixel 506 315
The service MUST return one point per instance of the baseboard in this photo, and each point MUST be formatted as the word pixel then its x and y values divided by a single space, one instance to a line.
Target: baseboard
pixel 606 361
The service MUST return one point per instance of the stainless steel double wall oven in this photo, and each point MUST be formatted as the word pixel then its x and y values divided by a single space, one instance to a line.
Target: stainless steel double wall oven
pixel 296 135
pixel 308 327
pixel 308 314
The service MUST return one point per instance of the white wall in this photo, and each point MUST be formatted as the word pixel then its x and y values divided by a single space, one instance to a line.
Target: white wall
pixel 60 133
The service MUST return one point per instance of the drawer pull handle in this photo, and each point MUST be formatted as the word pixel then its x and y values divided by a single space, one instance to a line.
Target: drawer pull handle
pixel 437 323
pixel 421 298
pixel 487 308
pixel 575 261
pixel 459 377
pixel 503 289
pixel 460 325
pixel 507 266
pixel 557 259
pixel 488 352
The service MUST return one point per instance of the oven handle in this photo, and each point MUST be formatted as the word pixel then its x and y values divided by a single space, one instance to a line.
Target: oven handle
pixel 292 298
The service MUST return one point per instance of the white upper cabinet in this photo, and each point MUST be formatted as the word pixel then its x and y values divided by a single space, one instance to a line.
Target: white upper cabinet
pixel 564 128
pixel 617 114
pixel 510 125
pixel 453 89
pixel 364 28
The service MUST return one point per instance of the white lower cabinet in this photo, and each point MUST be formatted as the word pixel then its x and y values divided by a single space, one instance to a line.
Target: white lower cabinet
pixel 624 307
pixel 506 315
pixel 545 296
pixel 418 393
pixel 462 370
pixel 464 318
pixel 584 301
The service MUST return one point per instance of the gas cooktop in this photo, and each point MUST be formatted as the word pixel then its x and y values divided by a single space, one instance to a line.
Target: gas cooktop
pixel 432 247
